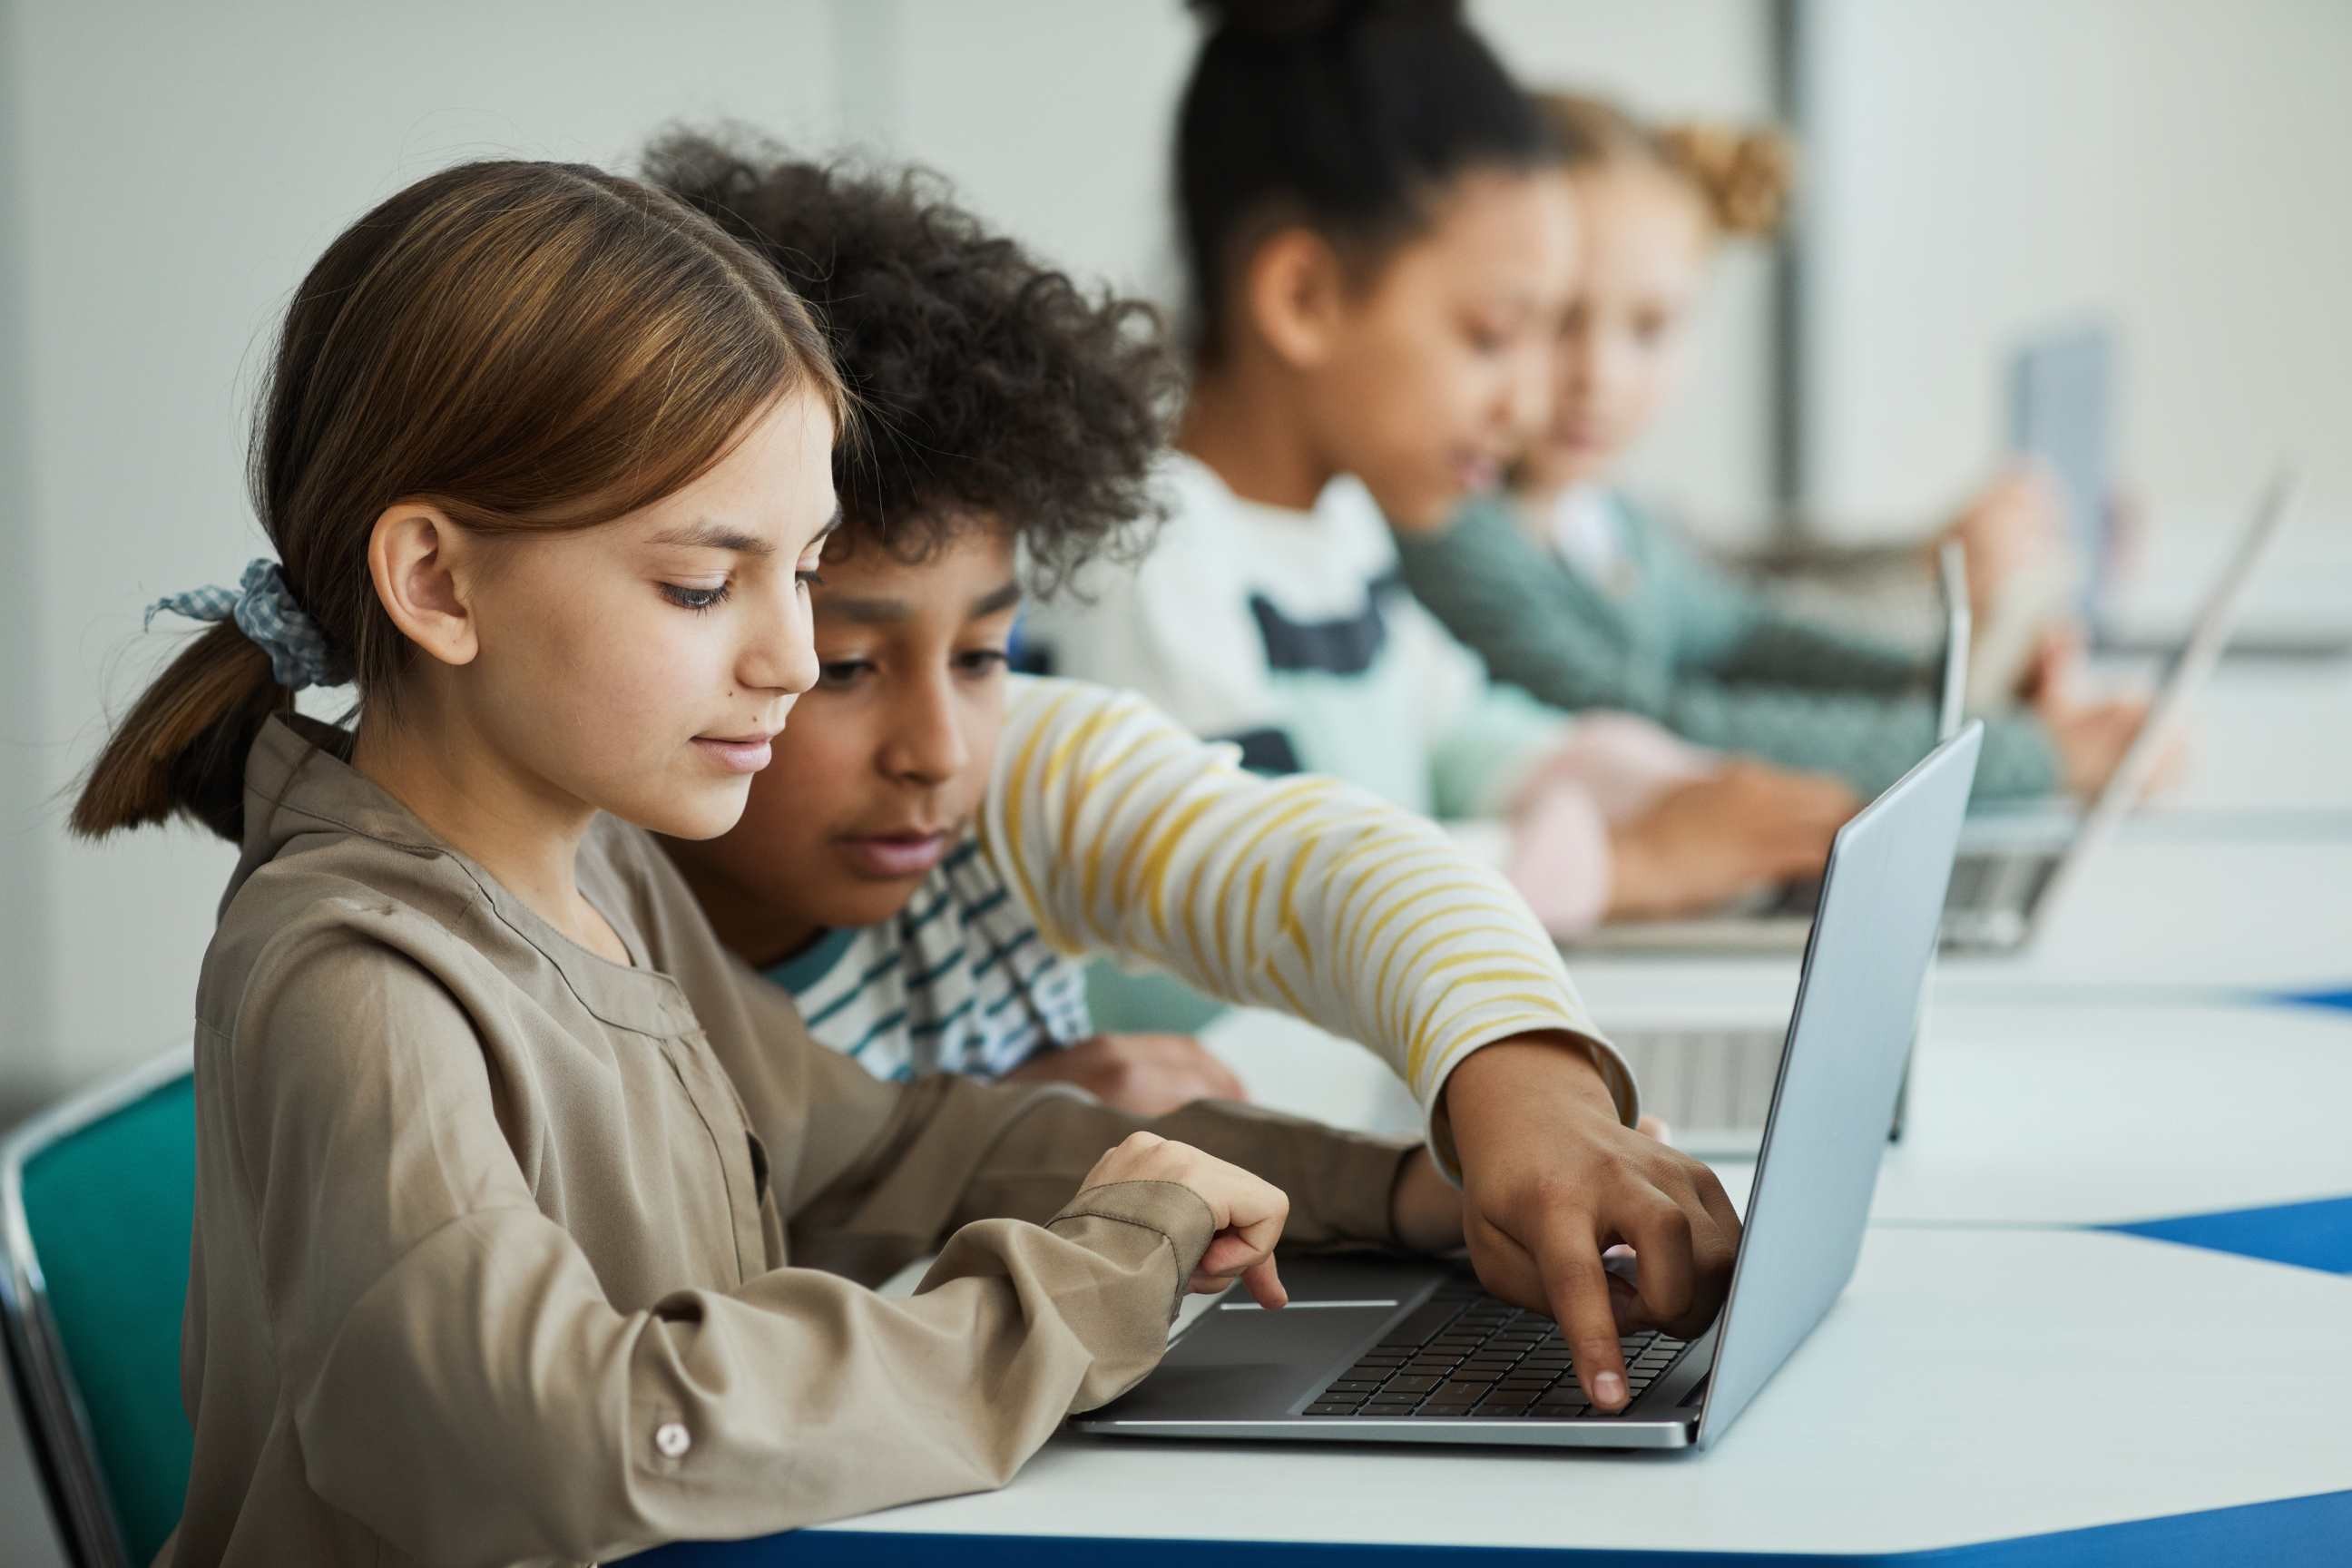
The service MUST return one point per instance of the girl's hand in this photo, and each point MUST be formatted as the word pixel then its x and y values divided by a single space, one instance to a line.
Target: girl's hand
pixel 1745 826
pixel 1149 1075
pixel 2091 737
pixel 2015 525
pixel 1249 1212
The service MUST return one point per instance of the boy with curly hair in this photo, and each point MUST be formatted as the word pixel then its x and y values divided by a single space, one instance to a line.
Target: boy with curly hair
pixel 1000 409
pixel 938 838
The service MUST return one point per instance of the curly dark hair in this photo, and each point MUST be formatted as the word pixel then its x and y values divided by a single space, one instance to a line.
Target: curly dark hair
pixel 989 386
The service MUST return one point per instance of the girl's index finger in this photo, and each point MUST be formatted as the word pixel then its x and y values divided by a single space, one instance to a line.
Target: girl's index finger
pixel 1264 1285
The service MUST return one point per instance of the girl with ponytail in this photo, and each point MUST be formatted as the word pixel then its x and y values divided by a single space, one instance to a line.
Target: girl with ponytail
pixel 500 1158
pixel 1379 249
pixel 1574 591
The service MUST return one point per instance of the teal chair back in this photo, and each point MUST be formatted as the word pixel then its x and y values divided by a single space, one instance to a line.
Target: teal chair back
pixel 97 1203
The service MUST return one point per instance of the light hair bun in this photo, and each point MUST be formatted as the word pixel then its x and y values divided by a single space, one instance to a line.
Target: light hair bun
pixel 1743 176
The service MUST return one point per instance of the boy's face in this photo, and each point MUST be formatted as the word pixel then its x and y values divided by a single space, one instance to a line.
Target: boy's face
pixel 886 758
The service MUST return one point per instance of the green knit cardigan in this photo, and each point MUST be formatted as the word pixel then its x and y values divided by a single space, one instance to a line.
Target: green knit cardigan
pixel 1685 644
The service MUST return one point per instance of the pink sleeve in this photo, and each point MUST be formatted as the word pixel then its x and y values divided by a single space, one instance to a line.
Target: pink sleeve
pixel 1560 861
pixel 1627 764
pixel 1612 768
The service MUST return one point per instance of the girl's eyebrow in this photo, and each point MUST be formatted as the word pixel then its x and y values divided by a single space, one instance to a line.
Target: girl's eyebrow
pixel 714 536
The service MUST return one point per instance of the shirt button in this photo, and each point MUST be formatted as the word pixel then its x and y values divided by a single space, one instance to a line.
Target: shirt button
pixel 671 1439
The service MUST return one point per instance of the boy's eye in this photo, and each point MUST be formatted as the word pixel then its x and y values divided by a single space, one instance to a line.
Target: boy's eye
pixel 808 579
pixel 983 661
pixel 837 674
pixel 694 598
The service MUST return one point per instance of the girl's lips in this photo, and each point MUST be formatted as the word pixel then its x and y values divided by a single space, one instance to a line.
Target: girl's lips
pixel 1478 473
pixel 744 756
pixel 1581 437
pixel 895 854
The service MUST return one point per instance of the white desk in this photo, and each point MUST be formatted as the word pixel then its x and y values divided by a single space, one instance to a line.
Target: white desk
pixel 1997 1375
pixel 1970 1385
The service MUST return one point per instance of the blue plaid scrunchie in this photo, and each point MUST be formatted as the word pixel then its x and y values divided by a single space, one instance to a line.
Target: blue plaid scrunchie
pixel 265 611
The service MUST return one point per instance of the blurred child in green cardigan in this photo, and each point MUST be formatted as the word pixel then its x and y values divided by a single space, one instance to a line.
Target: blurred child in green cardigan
pixel 1571 590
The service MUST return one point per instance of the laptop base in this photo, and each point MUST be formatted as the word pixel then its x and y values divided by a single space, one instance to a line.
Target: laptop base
pixel 1508 1432
pixel 1241 1373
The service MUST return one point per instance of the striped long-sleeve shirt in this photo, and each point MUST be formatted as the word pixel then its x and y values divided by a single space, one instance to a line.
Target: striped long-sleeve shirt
pixel 1115 831
pixel 959 981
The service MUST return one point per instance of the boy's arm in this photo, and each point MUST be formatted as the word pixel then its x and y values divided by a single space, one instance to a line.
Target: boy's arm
pixel 1122 833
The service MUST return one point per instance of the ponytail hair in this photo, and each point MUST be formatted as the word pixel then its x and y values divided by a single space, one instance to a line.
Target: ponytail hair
pixel 530 347
pixel 1348 116
pixel 1742 179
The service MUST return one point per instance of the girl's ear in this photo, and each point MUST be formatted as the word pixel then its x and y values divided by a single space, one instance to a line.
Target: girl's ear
pixel 1295 292
pixel 416 557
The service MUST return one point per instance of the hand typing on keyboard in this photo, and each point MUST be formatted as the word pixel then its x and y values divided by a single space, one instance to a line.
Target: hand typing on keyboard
pixel 1466 1353
pixel 1552 1181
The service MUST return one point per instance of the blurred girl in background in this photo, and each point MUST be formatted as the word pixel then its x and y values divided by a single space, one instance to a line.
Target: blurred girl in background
pixel 1380 250
pixel 1569 588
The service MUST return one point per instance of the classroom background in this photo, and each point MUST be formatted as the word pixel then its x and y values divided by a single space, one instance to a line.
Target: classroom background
pixel 1975 172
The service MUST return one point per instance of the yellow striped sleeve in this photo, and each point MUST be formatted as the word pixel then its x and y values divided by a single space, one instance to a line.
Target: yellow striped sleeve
pixel 1125 835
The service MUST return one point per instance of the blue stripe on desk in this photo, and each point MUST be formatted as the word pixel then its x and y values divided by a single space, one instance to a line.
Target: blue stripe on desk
pixel 2339 999
pixel 2312 1236
pixel 1976 990
pixel 2292 1532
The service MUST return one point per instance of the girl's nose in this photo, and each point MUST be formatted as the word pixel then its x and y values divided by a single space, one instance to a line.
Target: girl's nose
pixel 780 649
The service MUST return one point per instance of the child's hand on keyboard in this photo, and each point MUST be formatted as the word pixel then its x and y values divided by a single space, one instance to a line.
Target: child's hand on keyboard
pixel 1552 1181
pixel 1249 1211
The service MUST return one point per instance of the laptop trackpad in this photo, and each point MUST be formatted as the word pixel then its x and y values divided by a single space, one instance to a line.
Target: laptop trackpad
pixel 1240 1363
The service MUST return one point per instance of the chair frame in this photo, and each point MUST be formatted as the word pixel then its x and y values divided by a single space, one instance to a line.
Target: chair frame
pixel 56 1427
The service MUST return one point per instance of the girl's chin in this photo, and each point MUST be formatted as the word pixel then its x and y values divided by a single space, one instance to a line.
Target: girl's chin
pixel 1572 463
pixel 694 812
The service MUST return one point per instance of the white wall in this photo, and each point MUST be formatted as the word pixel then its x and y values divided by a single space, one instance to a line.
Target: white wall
pixel 1984 168
pixel 175 169
pixel 25 841
pixel 168 172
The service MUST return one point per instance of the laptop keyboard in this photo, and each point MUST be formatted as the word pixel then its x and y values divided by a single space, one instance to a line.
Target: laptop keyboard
pixel 1464 1353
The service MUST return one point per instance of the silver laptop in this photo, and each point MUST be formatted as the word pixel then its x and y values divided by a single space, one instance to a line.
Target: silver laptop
pixel 2015 863
pixel 2016 866
pixel 1397 1351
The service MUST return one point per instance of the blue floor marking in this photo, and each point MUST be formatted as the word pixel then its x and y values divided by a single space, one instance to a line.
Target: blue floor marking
pixel 2316 1235
pixel 2292 1532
